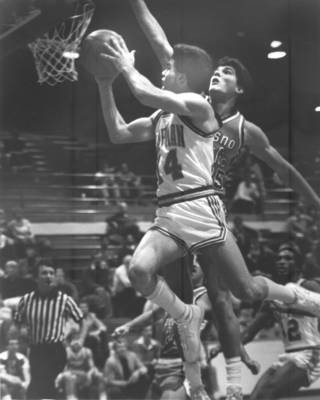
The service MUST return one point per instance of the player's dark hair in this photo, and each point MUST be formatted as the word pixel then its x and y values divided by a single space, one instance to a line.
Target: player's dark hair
pixel 196 63
pixel 243 75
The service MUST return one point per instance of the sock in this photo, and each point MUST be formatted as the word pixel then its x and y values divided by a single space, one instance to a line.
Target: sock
pixel 164 297
pixel 274 291
pixel 193 374
pixel 233 369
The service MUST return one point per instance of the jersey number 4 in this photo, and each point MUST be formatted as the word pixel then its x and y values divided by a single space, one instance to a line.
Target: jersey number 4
pixel 172 166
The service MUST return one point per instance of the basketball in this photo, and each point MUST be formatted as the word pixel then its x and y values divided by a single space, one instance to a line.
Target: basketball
pixel 91 58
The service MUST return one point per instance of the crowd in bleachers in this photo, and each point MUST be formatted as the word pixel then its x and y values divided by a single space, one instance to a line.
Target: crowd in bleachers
pixel 117 183
pixel 105 295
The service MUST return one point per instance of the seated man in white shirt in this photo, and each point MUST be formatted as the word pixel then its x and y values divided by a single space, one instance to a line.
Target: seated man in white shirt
pixel 14 372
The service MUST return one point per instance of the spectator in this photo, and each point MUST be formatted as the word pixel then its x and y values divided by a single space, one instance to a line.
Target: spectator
pixel 109 188
pixel 65 286
pixel 6 323
pixel 14 372
pixel 253 168
pixel 129 182
pixel 126 302
pixel 100 302
pixel 311 266
pixel 101 269
pixel 20 230
pixel 261 257
pixel 120 225
pixel 32 258
pixel 12 285
pixel 121 279
pixel 124 374
pixel 80 372
pixel 298 226
pixel 6 246
pixel 147 348
pixel 45 311
pixel 129 246
pixel 94 334
pixel 242 234
pixel 247 197
pixel 14 152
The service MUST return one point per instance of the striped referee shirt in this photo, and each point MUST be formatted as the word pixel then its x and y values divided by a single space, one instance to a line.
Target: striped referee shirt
pixel 46 317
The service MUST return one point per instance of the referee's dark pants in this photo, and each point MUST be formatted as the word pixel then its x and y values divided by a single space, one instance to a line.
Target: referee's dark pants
pixel 47 360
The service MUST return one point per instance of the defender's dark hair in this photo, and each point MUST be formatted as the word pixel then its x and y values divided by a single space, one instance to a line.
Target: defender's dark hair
pixel 196 63
pixel 243 75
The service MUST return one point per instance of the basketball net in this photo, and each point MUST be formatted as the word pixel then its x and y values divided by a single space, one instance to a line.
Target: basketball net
pixel 56 51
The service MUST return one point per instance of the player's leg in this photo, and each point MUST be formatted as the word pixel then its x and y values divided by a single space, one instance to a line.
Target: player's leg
pixel 226 322
pixel 222 310
pixel 232 267
pixel 280 381
pixel 155 250
pixel 178 276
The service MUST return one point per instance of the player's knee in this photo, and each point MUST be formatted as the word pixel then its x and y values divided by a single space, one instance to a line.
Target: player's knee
pixel 221 305
pixel 250 292
pixel 139 275
pixel 245 293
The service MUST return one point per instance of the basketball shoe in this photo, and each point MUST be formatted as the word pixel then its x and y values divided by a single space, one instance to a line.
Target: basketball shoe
pixel 306 300
pixel 189 332
pixel 234 392
pixel 199 394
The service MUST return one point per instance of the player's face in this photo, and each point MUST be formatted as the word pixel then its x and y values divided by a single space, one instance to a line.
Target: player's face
pixel 284 264
pixel 169 77
pixel 224 80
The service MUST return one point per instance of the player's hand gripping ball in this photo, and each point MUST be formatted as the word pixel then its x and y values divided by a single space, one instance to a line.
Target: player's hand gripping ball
pixel 90 55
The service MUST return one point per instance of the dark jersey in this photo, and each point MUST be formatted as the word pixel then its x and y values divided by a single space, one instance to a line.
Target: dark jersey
pixel 227 143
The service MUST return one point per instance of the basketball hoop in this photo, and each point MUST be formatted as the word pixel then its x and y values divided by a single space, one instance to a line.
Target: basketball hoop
pixel 56 51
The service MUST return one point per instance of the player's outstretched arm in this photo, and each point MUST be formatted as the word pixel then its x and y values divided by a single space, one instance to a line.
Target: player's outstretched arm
pixel 153 31
pixel 260 146
pixel 141 320
pixel 189 104
pixel 119 130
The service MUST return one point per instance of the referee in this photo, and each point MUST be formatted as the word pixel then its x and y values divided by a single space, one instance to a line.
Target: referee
pixel 45 312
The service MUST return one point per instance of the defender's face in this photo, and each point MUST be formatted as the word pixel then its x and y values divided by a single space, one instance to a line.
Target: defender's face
pixel 169 77
pixel 224 80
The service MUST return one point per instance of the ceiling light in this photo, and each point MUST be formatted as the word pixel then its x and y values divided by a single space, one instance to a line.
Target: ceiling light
pixel 275 43
pixel 317 109
pixel 274 55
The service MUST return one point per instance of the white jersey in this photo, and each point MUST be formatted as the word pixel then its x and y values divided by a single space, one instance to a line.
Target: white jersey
pixel 185 158
pixel 299 331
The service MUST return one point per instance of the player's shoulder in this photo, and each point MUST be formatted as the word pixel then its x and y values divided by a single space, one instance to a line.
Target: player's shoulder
pixel 251 129
pixel 254 136
pixel 197 100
